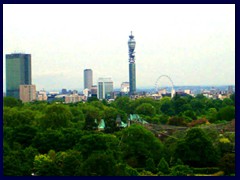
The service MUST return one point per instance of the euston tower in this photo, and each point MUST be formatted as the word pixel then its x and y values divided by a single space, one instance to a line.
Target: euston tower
pixel 18 72
pixel 132 66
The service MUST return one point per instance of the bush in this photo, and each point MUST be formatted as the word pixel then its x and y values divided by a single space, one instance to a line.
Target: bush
pixel 227 163
pixel 163 166
pixel 198 122
pixel 207 170
pixel 181 170
pixel 176 121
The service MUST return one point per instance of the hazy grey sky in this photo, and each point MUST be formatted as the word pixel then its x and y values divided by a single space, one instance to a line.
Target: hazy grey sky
pixel 193 44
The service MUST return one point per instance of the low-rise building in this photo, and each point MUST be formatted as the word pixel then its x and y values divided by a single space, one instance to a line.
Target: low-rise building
pixel 73 98
pixel 27 93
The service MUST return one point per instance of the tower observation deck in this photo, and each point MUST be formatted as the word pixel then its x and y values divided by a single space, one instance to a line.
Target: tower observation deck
pixel 132 65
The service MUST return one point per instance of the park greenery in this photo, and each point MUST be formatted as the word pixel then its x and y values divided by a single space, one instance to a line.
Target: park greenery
pixel 56 139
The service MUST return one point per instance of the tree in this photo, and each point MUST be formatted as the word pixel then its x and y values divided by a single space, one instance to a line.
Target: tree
pixel 178 104
pixel 139 144
pixel 176 121
pixel 24 134
pixel 212 115
pixel 11 102
pixel 198 105
pixel 92 115
pixel 150 165
pixel 226 113
pixel 146 109
pixel 44 165
pixel 163 166
pixel 166 106
pixel 77 114
pixel 47 140
pixel 225 146
pixel 57 116
pixel 98 164
pixel 181 170
pixel 190 150
pixel 190 114
pixel 232 97
pixel 18 161
pixel 69 162
pixel 91 99
pixel 227 102
pixel 227 163
pixel 98 142
pixel 122 103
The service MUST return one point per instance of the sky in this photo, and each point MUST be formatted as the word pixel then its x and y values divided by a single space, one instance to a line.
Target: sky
pixel 193 44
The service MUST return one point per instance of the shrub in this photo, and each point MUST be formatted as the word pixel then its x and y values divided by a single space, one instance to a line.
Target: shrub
pixel 163 166
pixel 207 170
pixel 227 163
pixel 181 170
pixel 198 122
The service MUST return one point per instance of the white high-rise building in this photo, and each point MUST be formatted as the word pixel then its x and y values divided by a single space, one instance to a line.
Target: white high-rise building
pixel 125 87
pixel 105 88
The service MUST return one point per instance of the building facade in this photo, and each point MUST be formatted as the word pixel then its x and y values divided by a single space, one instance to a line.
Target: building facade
pixel 105 88
pixel 42 96
pixel 125 87
pixel 132 65
pixel 27 93
pixel 88 79
pixel 72 98
pixel 18 72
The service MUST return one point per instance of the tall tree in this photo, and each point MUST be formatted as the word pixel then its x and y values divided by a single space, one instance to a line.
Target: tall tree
pixel 191 151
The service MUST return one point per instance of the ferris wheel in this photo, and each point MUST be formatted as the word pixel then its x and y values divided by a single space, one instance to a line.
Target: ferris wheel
pixel 171 84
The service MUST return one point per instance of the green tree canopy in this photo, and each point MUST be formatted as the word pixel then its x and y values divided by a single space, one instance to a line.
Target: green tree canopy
pixel 139 144
pixel 11 102
pixel 226 113
pixel 57 116
pixel 146 109
pixel 191 151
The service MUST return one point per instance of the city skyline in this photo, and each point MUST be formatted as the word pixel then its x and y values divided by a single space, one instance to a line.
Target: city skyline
pixel 193 44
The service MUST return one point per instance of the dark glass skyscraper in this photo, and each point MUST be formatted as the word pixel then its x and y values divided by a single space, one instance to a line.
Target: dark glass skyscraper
pixel 132 66
pixel 88 79
pixel 18 72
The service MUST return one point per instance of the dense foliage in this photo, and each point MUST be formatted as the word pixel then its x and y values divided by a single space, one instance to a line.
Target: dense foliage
pixel 56 139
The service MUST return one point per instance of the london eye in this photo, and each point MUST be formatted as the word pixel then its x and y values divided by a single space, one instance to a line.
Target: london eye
pixel 169 80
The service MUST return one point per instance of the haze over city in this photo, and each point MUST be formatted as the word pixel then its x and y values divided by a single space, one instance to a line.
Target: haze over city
pixel 193 44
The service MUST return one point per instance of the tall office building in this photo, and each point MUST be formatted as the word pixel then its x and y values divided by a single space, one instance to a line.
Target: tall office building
pixel 105 88
pixel 132 66
pixel 27 93
pixel 18 72
pixel 88 79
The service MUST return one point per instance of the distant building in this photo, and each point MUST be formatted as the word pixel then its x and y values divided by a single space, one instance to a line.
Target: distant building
pixel 93 90
pixel 132 66
pixel 222 96
pixel 64 91
pixel 74 92
pixel 42 95
pixel 162 91
pixel 18 72
pixel 187 91
pixel 88 79
pixel 27 93
pixel 72 98
pixel 54 93
pixel 230 89
pixel 125 87
pixel 86 92
pixel 105 88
